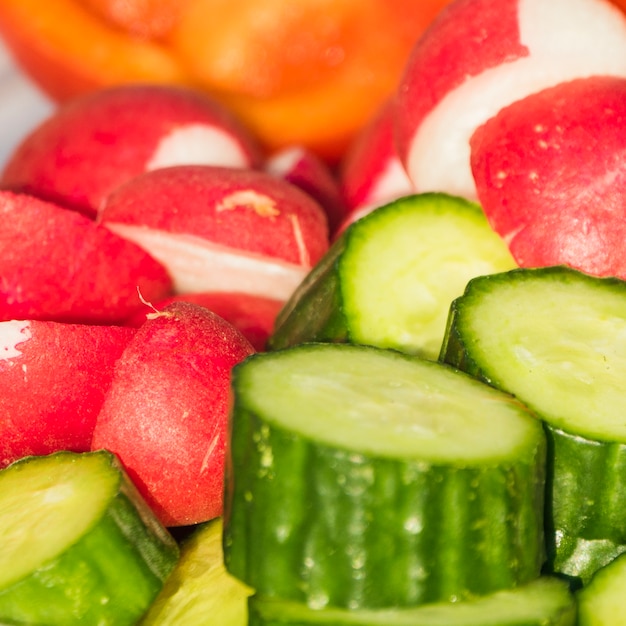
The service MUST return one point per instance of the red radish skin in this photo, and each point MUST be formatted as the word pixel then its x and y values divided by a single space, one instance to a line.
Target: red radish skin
pixel 221 229
pixel 550 173
pixel 308 172
pixel 253 316
pixel 94 143
pixel 166 412
pixel 479 56
pixel 53 379
pixel 371 173
pixel 57 264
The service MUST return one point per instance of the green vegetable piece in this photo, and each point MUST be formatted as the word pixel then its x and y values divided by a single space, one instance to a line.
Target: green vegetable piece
pixel 556 339
pixel 200 592
pixel 542 602
pixel 601 602
pixel 389 279
pixel 78 545
pixel 363 477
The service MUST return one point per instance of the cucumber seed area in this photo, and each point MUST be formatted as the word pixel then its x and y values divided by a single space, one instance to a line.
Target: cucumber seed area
pixel 386 404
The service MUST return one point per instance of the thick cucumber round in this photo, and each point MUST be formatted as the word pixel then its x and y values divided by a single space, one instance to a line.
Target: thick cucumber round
pixel 556 339
pixel 601 603
pixel 542 602
pixel 389 279
pixel 363 477
pixel 78 545
pixel 200 592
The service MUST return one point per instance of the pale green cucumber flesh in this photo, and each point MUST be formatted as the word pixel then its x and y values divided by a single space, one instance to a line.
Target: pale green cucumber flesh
pixel 601 602
pixel 394 275
pixel 346 458
pixel 77 543
pixel 553 337
pixel 542 602
pixel 199 591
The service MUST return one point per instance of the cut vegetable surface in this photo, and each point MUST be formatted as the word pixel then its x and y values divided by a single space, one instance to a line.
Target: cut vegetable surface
pixel 601 603
pixel 554 337
pixel 543 602
pixel 200 592
pixel 344 459
pixel 78 545
pixel 389 279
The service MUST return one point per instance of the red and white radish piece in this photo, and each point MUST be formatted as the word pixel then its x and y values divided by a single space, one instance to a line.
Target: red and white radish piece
pixel 371 173
pixel 53 378
pixel 253 316
pixel 481 55
pixel 56 264
pixel 166 412
pixel 550 171
pixel 304 169
pixel 94 143
pixel 221 229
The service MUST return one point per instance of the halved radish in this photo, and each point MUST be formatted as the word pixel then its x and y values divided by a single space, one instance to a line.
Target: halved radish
pixel 166 412
pixel 480 56
pixel 53 378
pixel 550 174
pixel 221 229
pixel 94 143
pixel 57 264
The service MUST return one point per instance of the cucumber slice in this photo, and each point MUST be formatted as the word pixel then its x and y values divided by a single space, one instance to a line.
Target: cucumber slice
pixel 363 477
pixel 389 279
pixel 601 603
pixel 542 602
pixel 200 592
pixel 556 339
pixel 78 545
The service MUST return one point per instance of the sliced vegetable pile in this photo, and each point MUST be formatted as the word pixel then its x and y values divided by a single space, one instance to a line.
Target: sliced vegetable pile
pixel 247 387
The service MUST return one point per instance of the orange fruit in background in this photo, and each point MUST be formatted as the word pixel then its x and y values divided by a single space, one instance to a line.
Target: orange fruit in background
pixel 309 72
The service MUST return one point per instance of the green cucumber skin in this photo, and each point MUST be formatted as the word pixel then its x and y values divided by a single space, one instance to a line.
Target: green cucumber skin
pixel 315 310
pixel 349 517
pixel 585 522
pixel 50 596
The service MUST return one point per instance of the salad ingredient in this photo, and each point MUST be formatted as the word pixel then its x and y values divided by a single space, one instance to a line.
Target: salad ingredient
pixel 253 316
pixel 600 602
pixel 389 279
pixel 309 73
pixel 542 602
pixel 166 410
pixel 91 145
pixel 554 338
pixel 78 544
pixel 221 229
pixel 371 173
pixel 53 378
pixel 549 174
pixel 199 589
pixel 304 169
pixel 346 459
pixel 480 56
pixel 57 264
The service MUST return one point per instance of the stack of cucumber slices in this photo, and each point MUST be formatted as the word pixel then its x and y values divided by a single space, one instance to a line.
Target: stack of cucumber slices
pixel 370 482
